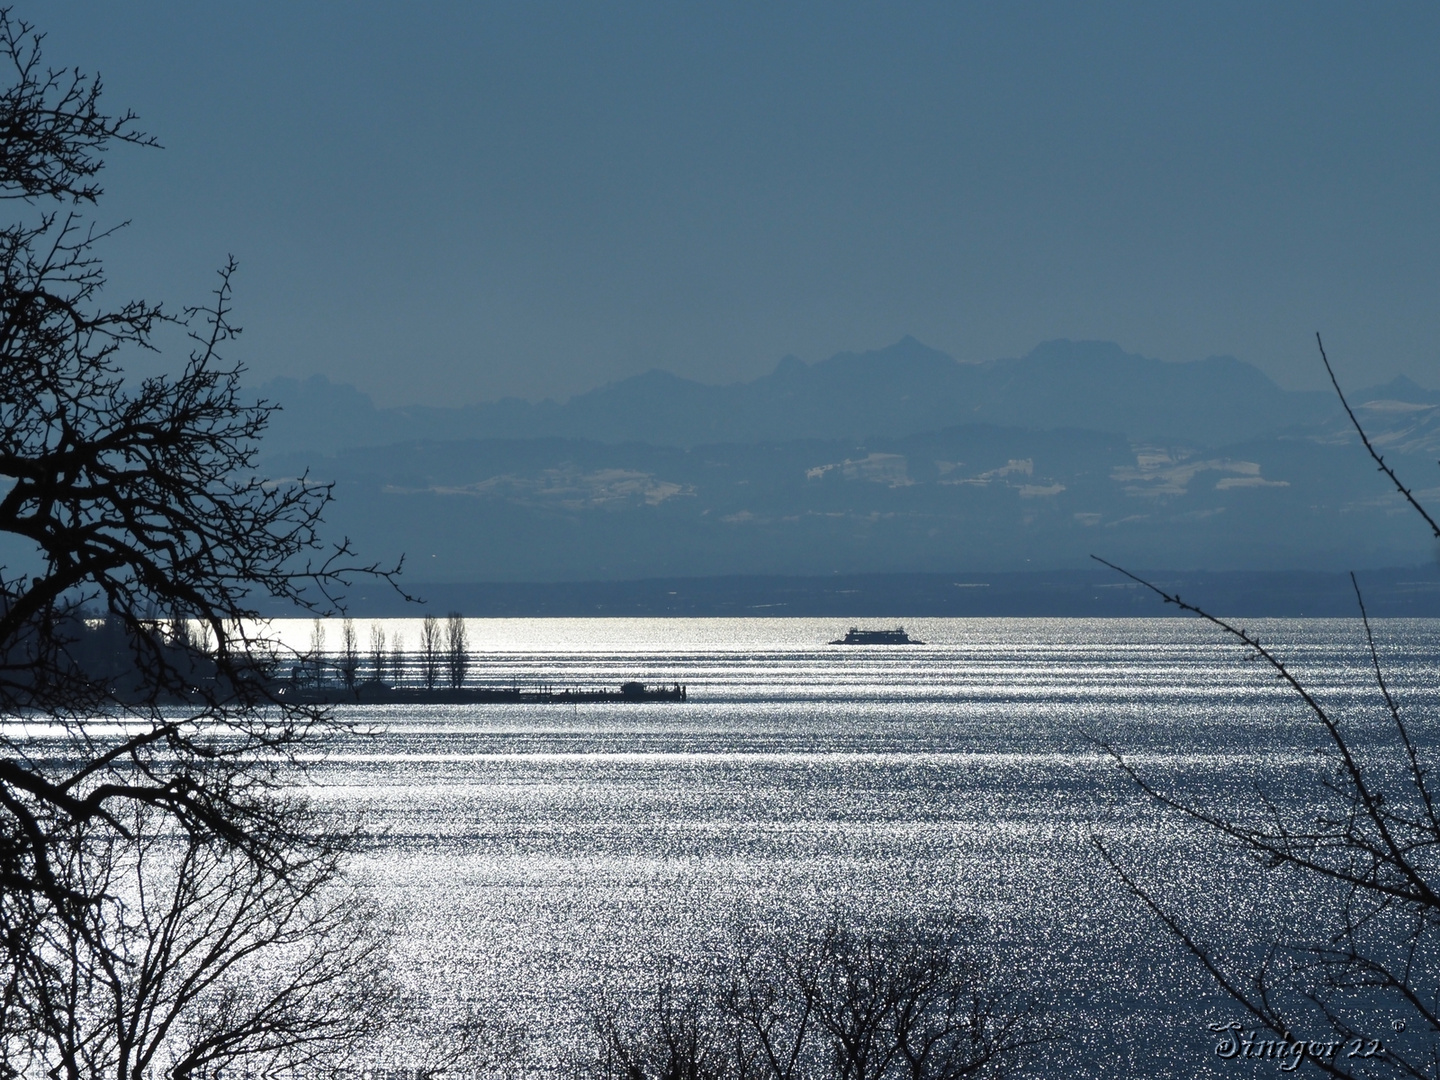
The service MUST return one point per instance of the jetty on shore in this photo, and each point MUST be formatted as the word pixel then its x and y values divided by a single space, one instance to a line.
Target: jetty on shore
pixel 373 693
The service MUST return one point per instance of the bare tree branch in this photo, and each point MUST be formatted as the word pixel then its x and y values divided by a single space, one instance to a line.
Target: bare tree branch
pixel 148 853
pixel 1371 849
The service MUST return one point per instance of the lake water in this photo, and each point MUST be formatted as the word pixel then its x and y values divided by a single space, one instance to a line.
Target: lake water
pixel 532 853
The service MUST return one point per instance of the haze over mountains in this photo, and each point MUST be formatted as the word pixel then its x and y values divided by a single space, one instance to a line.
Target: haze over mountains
pixel 897 460
pixel 900 390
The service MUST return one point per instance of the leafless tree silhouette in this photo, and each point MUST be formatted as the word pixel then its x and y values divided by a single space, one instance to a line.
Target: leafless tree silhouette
pixel 397 657
pixel 898 1002
pixel 457 650
pixel 349 653
pixel 191 959
pixel 1358 995
pixel 378 655
pixel 128 628
pixel 430 651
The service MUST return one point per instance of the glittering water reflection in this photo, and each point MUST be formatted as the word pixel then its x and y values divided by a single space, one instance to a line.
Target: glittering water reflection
pixel 531 850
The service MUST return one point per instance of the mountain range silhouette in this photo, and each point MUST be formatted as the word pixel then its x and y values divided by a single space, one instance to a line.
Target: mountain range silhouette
pixel 899 460
pixel 903 389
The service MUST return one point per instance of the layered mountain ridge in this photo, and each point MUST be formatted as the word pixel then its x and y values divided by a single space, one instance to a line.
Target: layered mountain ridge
pixel 903 389
pixel 895 461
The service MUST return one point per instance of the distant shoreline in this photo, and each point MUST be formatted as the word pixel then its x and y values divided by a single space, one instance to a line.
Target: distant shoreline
pixel 372 693
pixel 1389 593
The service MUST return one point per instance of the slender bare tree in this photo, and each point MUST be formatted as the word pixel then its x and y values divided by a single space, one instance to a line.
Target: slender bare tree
pixel 377 652
pixel 397 658
pixel 457 650
pixel 430 651
pixel 349 653
pixel 315 658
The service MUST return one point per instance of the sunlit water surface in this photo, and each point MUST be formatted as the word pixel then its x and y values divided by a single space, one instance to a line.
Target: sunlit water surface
pixel 532 853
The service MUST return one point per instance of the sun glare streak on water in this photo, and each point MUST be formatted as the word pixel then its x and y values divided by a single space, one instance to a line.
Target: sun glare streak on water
pixel 532 852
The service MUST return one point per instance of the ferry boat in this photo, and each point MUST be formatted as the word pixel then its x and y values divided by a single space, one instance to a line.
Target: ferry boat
pixel 856 636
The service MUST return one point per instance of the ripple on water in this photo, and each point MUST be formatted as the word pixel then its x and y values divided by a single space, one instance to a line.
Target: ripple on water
pixel 531 851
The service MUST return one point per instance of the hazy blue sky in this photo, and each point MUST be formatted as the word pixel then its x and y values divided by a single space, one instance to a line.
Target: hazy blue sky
pixel 453 202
